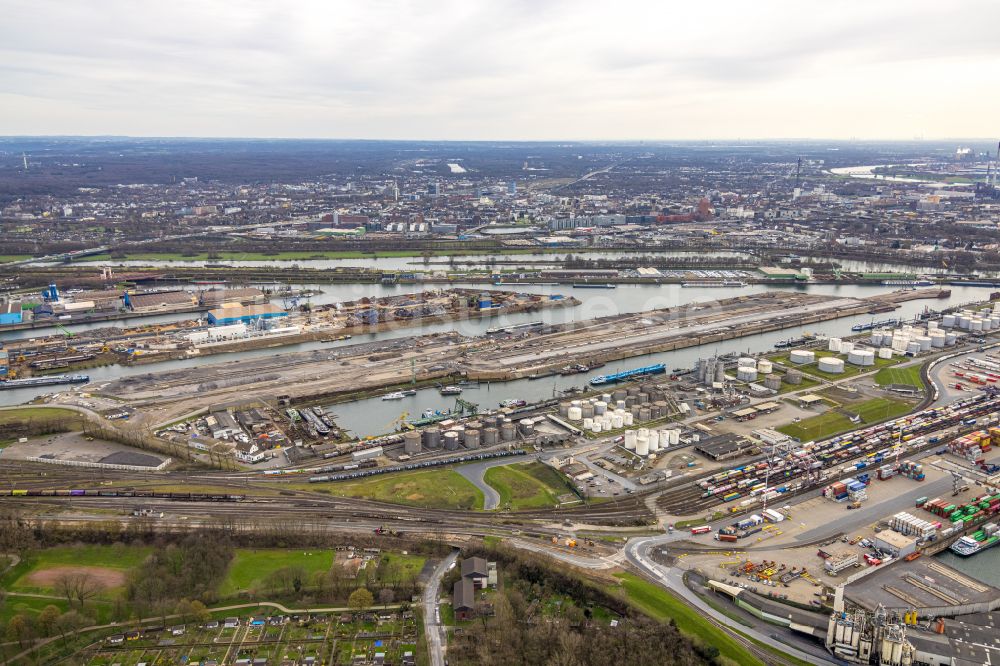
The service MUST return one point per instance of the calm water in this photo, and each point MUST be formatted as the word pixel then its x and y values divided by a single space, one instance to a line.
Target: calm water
pixel 985 566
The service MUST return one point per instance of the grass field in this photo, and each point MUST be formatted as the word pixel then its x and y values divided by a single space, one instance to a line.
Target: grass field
pixel 849 370
pixel 442 488
pixel 662 605
pixel 910 375
pixel 303 255
pixel 250 568
pixel 31 574
pixel 833 422
pixel 38 414
pixel 4 258
pixel 527 485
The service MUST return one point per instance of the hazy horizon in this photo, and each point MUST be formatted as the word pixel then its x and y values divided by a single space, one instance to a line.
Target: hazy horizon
pixel 551 70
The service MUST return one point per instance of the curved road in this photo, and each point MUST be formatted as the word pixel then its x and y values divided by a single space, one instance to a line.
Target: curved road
pixel 434 631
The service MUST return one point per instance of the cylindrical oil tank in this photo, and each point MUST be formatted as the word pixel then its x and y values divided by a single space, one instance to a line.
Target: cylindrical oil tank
pixel 491 436
pixel 432 438
pixel 948 321
pixel 884 353
pixel 576 403
pixel 876 339
pixel 663 408
pixel 950 339
pixel 471 438
pixel 913 347
pixel 642 446
pixel 976 325
pixel 654 440
pixel 655 411
pixel 507 431
pixel 765 367
pixel 631 401
pixel 746 374
pixel 923 341
pixel 644 414
pixel 575 414
pixel 643 398
pixel 634 410
pixel 801 356
pixel 833 345
pixel 617 421
pixel 793 377
pixel 606 397
pixel 564 409
pixel 963 321
pixel 597 426
pixel 675 437
pixel 526 426
pixel 773 382
pixel 412 442
pixel 600 407
pixel 619 394
pixel 861 357
pixel 588 410
pixel 642 432
pixel 619 404
pixel 846 347
pixel 630 437
pixel 832 364
pixel 628 419
pixel 886 340
pixel 633 390
pixel 937 339
pixel 451 440
pixel 746 362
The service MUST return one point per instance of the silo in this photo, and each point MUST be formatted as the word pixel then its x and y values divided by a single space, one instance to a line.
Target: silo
pixel 675 437
pixel 617 421
pixel 451 440
pixel 508 431
pixel 642 432
pixel 411 442
pixel 793 377
pixel 654 440
pixel 471 439
pixel 630 438
pixel 628 419
pixel 491 436
pixel 527 427
pixel 773 382
pixel 833 345
pixel 765 367
pixel 720 372
pixel 642 446
pixel 432 438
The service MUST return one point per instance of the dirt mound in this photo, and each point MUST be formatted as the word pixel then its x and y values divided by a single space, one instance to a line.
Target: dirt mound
pixel 101 576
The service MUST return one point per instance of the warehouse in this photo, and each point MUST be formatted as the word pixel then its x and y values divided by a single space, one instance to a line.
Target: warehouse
pixel 895 543
pixel 162 300
pixel 242 296
pixel 233 313
pixel 723 447
pixel 10 312
pixel 775 273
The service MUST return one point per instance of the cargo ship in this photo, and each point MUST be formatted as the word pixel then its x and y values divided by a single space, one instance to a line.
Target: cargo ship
pixel 52 380
pixel 594 285
pixel 974 543
pixel 399 395
pixel 873 325
pixel 450 390
pixel 599 380
pixel 794 342
pixel 715 283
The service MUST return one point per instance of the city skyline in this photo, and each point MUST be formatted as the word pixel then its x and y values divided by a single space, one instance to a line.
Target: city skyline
pixel 500 71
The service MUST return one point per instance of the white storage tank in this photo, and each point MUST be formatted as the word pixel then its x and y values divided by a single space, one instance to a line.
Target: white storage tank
pixel 861 357
pixel 913 348
pixel 630 439
pixel 575 414
pixel 948 321
pixel 675 437
pixel 976 324
pixel 617 421
pixel 654 440
pixel 746 374
pixel 600 408
pixel 746 362
pixel 963 322
pixel 642 446
pixel 801 356
pixel 597 426
pixel 950 339
pixel 884 352
pixel 831 364
pixel 588 423
pixel 628 418
pixel 834 345
pixel 765 367
pixel 846 347
pixel 876 338
pixel 937 339
pixel 886 340
pixel 924 341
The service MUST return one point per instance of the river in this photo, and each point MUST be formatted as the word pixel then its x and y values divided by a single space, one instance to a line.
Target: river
pixel 985 566
pixel 369 417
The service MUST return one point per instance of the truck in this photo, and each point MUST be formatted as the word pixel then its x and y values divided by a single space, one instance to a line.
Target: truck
pixel 728 538
pixel 702 529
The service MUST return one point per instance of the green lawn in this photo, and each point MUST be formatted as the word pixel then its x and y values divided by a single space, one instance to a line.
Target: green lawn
pixel 849 370
pixel 38 414
pixel 409 565
pixel 250 568
pixel 443 488
pixel 4 258
pixel 527 485
pixel 910 375
pixel 806 383
pixel 660 604
pixel 118 557
pixel 833 422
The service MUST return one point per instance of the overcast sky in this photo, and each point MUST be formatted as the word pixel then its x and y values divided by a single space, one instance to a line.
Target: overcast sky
pixel 510 69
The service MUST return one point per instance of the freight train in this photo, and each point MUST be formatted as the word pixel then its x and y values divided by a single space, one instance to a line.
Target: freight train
pixel 411 466
pixel 150 494
pixel 874 444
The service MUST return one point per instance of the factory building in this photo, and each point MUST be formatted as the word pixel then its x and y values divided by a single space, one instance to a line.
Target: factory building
pixel 234 313
pixel 162 300
pixel 243 296
pixel 10 313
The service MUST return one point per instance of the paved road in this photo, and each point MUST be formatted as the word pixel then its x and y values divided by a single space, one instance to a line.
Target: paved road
pixel 433 629
pixel 474 473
